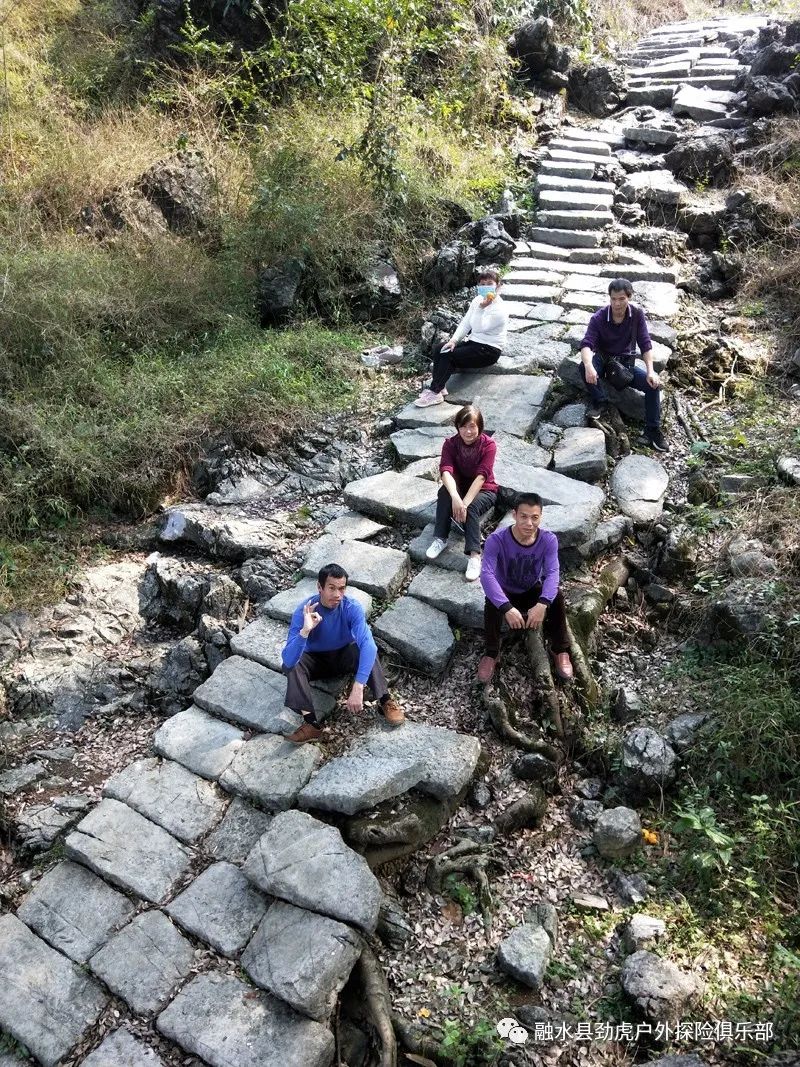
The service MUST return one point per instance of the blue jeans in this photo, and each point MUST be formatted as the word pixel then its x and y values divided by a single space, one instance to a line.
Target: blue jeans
pixel 652 397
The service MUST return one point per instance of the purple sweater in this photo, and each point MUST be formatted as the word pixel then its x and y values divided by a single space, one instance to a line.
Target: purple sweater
pixel 509 568
pixel 617 339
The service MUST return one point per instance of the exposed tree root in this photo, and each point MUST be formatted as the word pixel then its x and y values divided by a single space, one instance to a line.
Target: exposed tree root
pixel 470 858
pixel 543 679
pixel 584 613
pixel 377 1004
pixel 416 1040
pixel 616 433
pixel 586 687
pixel 505 725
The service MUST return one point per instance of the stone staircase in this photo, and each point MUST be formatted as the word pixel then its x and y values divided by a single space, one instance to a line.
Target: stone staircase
pixel 212 848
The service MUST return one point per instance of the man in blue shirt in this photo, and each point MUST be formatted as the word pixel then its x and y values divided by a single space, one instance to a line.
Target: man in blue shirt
pixel 614 332
pixel 329 637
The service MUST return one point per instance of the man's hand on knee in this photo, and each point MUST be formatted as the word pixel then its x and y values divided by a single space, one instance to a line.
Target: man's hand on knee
pixel 355 702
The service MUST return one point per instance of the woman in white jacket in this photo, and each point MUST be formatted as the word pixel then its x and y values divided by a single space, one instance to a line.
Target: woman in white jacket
pixel 477 341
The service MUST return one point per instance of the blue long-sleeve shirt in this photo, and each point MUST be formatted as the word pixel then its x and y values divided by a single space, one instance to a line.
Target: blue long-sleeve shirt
pixel 341 626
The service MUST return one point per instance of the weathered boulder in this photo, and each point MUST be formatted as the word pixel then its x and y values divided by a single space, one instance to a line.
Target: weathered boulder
pixel 525 954
pixel 706 158
pixel 598 88
pixel 658 988
pixel 534 44
pixel 617 833
pixel 642 932
pixel 639 484
pixel 648 761
pixel 450 269
pixel 182 187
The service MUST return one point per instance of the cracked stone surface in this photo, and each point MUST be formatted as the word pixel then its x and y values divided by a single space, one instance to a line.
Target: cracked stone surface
pixel 198 741
pixel 379 571
pixel 420 633
pixel 393 498
pixel 282 605
pixel 120 1049
pixel 272 771
pixel 220 907
pixel 447 591
pixel 238 832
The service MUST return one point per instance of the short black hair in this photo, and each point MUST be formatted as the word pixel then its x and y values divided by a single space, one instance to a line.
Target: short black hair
pixel 620 285
pixel 533 500
pixel 331 570
pixel 469 413
pixel 488 272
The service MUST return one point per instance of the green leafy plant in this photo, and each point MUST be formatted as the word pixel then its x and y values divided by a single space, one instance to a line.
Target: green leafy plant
pixel 461 893
pixel 476 1046
pixel 709 848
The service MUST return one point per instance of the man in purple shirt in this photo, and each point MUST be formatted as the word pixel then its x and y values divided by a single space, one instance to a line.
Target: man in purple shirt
pixel 614 331
pixel 519 575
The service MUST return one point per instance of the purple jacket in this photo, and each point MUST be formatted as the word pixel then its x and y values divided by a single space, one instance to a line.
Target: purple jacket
pixel 613 339
pixel 509 568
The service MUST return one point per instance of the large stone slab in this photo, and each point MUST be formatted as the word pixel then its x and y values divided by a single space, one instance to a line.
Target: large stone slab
pixel 46 1002
pixel 262 641
pixel 198 741
pixel 305 862
pixel 534 312
pixel 563 169
pixel 129 851
pixel 393 498
pixel 453 558
pixel 530 291
pixel 270 770
pixel 385 764
pixel 447 591
pixel 421 442
pixel 74 910
pixel 654 186
pixel 597 148
pixel 19 778
pixel 251 695
pixel 282 605
pixel 700 104
pixel 121 1049
pixel 567 219
pixel 421 634
pixel 560 200
pixel 651 135
pixel 228 534
pixel 227 1022
pixel 354 527
pixel 144 962
pixel 379 571
pixel 238 832
pixel 510 403
pixel 566 238
pixel 410 416
pixel 639 484
pixel 581 453
pixel 168 794
pixel 303 958
pixel 578 185
pixel 515 472
pixel 529 353
pixel 220 907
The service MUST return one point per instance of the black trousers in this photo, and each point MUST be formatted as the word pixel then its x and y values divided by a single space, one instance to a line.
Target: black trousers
pixel 467 355
pixel 554 625
pixel 315 665
pixel 472 527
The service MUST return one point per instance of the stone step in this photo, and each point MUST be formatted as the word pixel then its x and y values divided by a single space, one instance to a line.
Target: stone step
pixel 718 81
pixel 530 293
pixel 589 148
pixel 220 907
pixel 565 219
pixel 581 185
pixel 237 833
pixel 393 498
pixel 417 632
pixel 510 403
pixel 518 469
pixel 521 275
pixel 282 605
pixel 556 168
pixel 561 155
pixel 698 104
pixel 170 796
pixel 198 741
pixel 636 273
pixel 534 313
pixel 420 442
pixel 271 771
pixel 410 416
pixel 447 591
pixel 652 135
pixel 581 453
pixel 561 267
pixel 351 526
pixel 129 851
pixel 262 641
pixel 245 693
pixel 378 571
pixel 653 72
pixel 529 352
pixel 654 186
pixel 561 237
pixel 577 133
pixel 651 95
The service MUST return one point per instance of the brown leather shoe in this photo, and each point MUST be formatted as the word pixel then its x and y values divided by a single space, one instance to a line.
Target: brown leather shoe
pixel 564 666
pixel 307 732
pixel 486 669
pixel 393 713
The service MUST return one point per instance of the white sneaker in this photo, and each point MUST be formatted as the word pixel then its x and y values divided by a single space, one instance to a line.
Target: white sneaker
pixel 427 399
pixel 436 547
pixel 473 568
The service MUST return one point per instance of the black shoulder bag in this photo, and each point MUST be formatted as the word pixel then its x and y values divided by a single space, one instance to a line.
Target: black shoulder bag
pixel 618 371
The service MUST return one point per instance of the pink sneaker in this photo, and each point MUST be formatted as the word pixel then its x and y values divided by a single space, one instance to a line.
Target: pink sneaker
pixel 427 399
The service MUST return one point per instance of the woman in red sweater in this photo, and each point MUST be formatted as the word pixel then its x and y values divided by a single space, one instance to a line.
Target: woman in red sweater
pixel 468 487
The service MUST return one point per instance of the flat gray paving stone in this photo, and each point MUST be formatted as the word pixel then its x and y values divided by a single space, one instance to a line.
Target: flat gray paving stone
pixel 306 862
pixel 447 591
pixel 552 200
pixel 271 770
pixel 393 498
pixel 410 416
pixel 425 468
pixel 121 1049
pixel 46 1002
pixel 581 453
pixel 530 292
pixel 352 526
pixel 251 695
pixel 74 910
pixel 510 403
pixel 515 472
pixel 144 962
pixel 453 558
pixel 220 907
pixel 635 272
pixel 385 763
pixel 569 219
pixel 226 1022
pixel 639 484
pixel 650 134
pixel 421 442
pixel 379 571
pixel 128 850
pixel 577 185
pixel 566 238
pixel 199 741
pixel 302 958
pixel 263 641
pixel 654 186
pixel 519 274
pixel 169 795
pixel 526 354
pixel 238 832
pixel 19 778
pixel 282 605
pixel 419 633
pixel 561 169
pixel 591 148
pixel 533 313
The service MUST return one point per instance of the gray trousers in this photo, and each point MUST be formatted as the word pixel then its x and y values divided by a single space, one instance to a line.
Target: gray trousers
pixel 316 665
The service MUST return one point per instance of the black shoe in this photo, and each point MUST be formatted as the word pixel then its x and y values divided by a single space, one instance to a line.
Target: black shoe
pixel 596 411
pixel 655 439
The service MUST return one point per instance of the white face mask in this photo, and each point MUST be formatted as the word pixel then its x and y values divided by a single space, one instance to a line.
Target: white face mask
pixel 486 290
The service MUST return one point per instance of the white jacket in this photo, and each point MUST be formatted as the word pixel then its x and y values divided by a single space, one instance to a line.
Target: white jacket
pixel 485 326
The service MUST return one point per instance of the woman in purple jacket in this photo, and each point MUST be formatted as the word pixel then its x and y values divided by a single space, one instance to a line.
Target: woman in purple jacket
pixel 468 487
